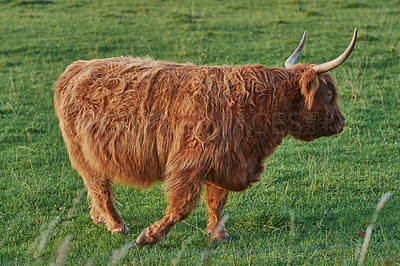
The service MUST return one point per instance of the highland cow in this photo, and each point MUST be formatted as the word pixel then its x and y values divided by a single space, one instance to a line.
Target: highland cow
pixel 139 121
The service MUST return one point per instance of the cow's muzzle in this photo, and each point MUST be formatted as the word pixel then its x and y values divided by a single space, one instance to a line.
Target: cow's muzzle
pixel 338 126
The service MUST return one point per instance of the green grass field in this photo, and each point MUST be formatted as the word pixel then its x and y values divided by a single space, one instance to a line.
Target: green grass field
pixel 315 199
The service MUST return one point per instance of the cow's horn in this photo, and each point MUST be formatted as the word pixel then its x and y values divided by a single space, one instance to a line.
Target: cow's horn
pixel 289 63
pixel 325 67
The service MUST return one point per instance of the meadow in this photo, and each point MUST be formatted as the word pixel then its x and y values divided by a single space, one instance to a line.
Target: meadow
pixel 315 200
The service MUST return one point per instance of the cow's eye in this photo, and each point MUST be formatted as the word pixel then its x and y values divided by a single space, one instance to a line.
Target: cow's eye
pixel 329 97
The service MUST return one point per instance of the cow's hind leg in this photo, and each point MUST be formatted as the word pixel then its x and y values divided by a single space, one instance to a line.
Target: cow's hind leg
pixel 96 216
pixel 103 209
pixel 216 200
pixel 99 190
pixel 183 192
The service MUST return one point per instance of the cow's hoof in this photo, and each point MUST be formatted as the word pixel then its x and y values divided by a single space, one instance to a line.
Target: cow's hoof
pixel 142 238
pixel 123 230
pixel 224 238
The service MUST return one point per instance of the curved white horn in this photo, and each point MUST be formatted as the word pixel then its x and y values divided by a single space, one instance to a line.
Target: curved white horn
pixel 289 63
pixel 325 67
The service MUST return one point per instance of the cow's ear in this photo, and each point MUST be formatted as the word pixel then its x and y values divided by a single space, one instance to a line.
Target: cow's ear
pixel 309 83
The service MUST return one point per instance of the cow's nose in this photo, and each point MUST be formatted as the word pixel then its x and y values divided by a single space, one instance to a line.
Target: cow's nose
pixel 340 125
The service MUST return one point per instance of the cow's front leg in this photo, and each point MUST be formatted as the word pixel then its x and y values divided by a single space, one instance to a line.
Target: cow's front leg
pixel 183 192
pixel 216 200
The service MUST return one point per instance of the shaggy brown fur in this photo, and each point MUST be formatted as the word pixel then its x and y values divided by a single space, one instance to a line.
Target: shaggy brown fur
pixel 138 121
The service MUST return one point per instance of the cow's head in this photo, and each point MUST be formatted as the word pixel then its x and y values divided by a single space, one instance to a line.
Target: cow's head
pixel 319 113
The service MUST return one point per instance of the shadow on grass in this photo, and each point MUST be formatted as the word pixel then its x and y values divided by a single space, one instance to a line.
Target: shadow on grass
pixel 37 2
